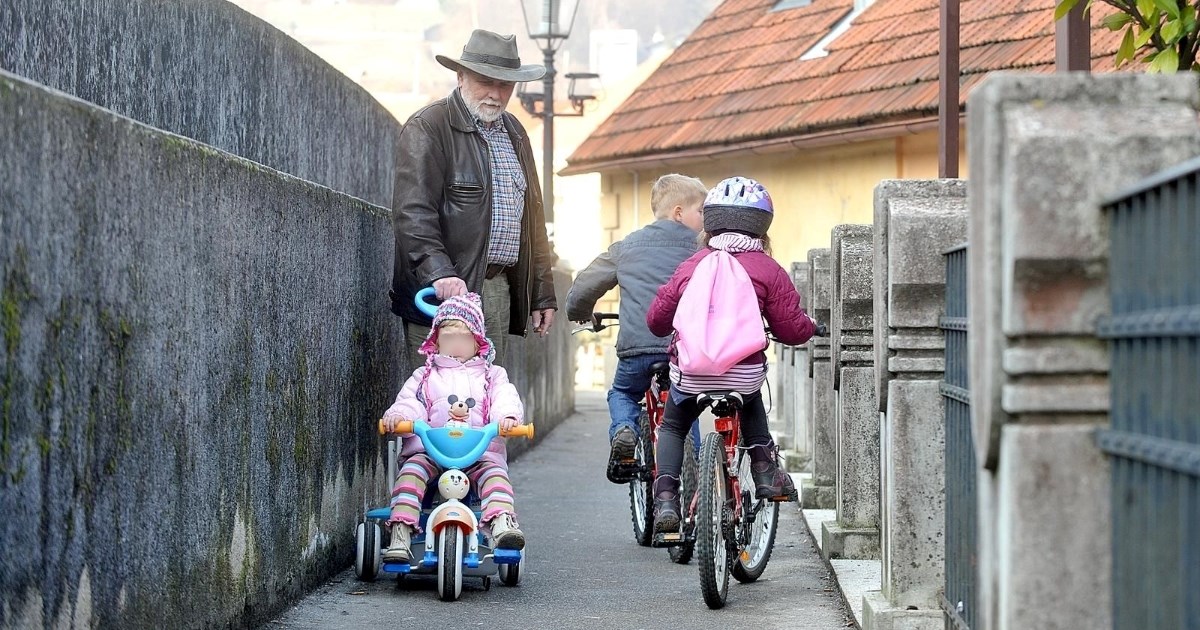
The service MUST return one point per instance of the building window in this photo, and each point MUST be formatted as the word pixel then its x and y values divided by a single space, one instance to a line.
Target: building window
pixel 784 5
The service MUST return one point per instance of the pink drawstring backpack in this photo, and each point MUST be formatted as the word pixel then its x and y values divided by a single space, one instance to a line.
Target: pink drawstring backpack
pixel 731 331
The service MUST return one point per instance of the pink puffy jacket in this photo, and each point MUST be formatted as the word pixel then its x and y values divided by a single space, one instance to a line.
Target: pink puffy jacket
pixel 466 383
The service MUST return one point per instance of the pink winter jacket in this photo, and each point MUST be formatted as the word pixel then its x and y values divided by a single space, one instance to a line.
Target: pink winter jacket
pixel 447 378
pixel 778 300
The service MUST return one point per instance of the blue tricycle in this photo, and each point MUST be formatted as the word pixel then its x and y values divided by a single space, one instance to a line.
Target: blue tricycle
pixel 450 544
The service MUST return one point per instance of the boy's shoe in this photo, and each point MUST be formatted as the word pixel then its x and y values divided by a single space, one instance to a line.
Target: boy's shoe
pixel 505 534
pixel 666 504
pixel 770 482
pixel 400 550
pixel 622 468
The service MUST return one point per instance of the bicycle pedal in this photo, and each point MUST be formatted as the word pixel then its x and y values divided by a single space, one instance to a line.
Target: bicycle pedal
pixel 793 496
pixel 667 539
pixel 621 472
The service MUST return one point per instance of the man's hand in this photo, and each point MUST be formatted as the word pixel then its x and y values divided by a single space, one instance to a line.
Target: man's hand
pixel 509 423
pixel 449 287
pixel 542 320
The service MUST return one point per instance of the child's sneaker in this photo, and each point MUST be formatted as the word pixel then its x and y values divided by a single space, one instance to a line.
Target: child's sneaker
pixel 400 551
pixel 505 534
pixel 621 466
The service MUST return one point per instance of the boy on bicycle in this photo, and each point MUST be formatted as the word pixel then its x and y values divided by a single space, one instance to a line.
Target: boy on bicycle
pixel 640 263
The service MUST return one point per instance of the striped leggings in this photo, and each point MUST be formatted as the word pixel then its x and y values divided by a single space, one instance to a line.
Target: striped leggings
pixel 489 480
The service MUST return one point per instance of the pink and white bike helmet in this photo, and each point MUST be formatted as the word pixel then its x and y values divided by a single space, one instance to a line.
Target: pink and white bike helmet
pixel 738 204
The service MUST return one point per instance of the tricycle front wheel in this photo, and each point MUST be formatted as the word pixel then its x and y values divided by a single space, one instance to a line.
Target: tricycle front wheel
pixel 450 567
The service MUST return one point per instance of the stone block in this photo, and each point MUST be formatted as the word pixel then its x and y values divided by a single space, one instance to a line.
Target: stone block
pixel 880 614
pixel 850 543
pixel 824 426
pixel 800 278
pixel 1053 529
pixel 852 291
pixel 913 524
pixel 819 285
pixel 796 461
pixel 1042 160
pixel 802 420
pixel 915 221
pixel 818 497
pixel 858 460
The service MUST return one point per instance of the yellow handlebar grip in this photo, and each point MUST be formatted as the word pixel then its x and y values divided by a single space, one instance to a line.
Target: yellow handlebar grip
pixel 521 430
pixel 404 427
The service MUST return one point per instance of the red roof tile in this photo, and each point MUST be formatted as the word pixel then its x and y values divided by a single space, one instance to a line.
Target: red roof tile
pixel 738 77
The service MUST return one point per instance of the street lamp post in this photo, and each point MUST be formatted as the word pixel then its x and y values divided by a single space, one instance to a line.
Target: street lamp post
pixel 550 21
pixel 548 133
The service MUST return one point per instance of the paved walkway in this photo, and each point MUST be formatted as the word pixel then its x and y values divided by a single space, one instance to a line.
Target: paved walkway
pixel 583 568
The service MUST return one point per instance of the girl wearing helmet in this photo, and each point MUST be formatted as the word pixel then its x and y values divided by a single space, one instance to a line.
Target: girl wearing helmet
pixel 737 213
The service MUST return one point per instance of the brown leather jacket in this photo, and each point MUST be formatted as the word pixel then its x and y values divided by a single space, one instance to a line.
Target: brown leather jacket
pixel 442 213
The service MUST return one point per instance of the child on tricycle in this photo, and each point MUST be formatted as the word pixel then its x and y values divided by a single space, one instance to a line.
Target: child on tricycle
pixel 458 383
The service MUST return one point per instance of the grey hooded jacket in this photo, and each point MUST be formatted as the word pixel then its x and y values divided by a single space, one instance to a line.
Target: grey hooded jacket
pixel 640 263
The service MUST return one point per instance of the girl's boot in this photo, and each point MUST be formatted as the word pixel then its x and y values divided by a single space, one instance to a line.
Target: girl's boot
pixel 666 504
pixel 770 481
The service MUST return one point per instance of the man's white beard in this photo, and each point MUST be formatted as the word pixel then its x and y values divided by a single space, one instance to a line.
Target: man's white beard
pixel 477 111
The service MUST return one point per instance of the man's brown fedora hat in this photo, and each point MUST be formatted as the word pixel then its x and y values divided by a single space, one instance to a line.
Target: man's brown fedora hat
pixel 493 56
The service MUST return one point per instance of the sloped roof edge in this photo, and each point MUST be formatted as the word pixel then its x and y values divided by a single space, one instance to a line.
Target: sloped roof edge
pixel 765 146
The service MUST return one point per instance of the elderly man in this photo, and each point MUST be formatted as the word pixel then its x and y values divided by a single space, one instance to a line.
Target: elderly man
pixel 467 204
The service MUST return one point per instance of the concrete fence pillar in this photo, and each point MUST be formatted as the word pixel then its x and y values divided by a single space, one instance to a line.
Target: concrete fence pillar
pixel 915 221
pixel 1044 152
pixel 819 383
pixel 802 431
pixel 855 534
pixel 780 406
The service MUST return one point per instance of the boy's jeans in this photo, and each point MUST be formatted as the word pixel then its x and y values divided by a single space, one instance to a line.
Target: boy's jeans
pixel 629 389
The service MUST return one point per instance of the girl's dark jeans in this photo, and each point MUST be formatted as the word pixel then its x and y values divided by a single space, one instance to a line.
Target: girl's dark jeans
pixel 677 419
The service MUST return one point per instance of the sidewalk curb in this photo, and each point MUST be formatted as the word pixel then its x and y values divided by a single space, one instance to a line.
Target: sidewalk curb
pixel 842 570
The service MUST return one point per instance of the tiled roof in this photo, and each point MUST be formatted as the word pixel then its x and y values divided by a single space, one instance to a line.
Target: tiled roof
pixel 738 78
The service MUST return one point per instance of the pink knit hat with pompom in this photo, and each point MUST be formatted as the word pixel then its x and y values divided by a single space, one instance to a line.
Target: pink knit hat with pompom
pixel 467 308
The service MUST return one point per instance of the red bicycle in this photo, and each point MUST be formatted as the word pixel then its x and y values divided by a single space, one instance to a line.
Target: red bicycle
pixel 734 532
pixel 641 469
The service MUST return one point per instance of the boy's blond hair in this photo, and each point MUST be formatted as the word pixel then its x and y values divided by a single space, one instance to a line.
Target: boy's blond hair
pixel 675 190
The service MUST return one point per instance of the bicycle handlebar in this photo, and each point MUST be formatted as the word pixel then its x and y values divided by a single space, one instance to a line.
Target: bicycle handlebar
pixel 822 331
pixel 597 323
pixel 405 427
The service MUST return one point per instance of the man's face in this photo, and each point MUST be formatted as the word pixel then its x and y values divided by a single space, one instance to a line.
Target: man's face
pixel 691 215
pixel 485 97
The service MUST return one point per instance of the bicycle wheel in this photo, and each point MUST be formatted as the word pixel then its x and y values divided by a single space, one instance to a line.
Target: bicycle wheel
pixel 760 539
pixel 641 489
pixel 712 516
pixel 682 554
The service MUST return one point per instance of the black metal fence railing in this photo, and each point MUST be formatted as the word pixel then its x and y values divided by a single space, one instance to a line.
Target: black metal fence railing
pixel 959 596
pixel 1154 442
